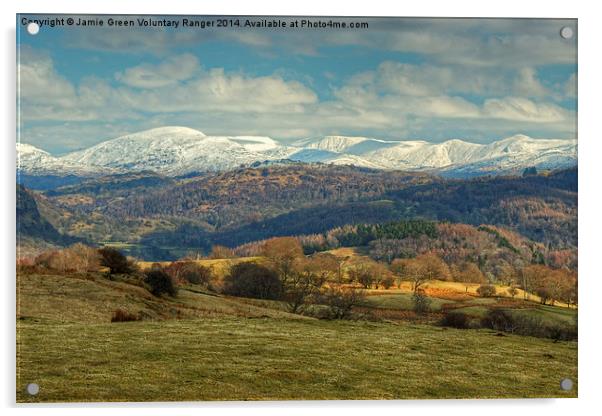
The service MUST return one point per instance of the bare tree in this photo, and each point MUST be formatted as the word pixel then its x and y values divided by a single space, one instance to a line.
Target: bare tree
pixel 342 300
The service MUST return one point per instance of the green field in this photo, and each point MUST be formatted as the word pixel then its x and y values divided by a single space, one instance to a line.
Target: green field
pixel 267 358
pixel 202 346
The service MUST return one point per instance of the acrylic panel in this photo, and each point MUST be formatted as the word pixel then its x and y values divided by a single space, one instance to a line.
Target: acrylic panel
pixel 295 208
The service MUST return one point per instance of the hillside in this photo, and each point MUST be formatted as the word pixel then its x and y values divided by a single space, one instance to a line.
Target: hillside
pixel 33 230
pixel 160 214
pixel 190 347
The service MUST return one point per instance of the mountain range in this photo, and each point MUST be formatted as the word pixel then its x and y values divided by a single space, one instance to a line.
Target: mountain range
pixel 178 151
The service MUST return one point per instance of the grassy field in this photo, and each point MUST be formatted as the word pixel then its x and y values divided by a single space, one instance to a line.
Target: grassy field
pixel 262 359
pixel 202 346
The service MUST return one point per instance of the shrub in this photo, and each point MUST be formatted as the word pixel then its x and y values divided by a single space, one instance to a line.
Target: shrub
pixel 422 303
pixel 522 324
pixel 455 320
pixel 196 274
pixel 160 283
pixel 486 291
pixel 340 301
pixel 388 281
pixel 116 261
pixel 190 272
pixel 499 320
pixel 75 259
pixel 121 315
pixel 251 280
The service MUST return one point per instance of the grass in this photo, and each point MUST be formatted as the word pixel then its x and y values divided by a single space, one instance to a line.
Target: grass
pixel 233 358
pixel 402 301
pixel 94 299
pixel 202 346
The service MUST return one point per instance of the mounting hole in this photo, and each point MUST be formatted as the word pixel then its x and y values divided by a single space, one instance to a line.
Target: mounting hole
pixel 33 28
pixel 33 389
pixel 566 32
pixel 566 384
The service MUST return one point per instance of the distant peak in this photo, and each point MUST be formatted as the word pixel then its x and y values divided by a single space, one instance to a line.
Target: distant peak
pixel 517 138
pixel 27 148
pixel 168 130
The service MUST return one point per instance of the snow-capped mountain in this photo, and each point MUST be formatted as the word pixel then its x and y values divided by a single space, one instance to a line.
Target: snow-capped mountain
pixel 181 150
pixel 173 151
pixel 34 161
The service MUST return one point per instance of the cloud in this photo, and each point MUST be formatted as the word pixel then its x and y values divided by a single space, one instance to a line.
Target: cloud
pixel 40 82
pixel 219 91
pixel 527 84
pixel 570 87
pixel 481 43
pixel 170 71
pixel 394 100
pixel 177 84
pixel 522 109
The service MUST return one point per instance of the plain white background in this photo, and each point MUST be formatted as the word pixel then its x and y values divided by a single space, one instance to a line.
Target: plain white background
pixel 590 190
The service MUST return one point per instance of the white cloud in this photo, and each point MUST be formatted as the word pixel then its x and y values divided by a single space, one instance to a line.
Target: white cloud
pixel 527 84
pixel 392 101
pixel 570 87
pixel 522 109
pixel 170 71
pixel 39 81
pixel 480 43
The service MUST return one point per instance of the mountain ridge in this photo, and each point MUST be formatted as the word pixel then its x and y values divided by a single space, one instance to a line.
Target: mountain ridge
pixel 176 151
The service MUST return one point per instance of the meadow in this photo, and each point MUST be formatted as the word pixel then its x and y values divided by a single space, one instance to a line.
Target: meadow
pixel 204 346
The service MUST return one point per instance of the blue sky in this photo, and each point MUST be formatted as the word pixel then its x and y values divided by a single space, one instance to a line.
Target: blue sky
pixel 432 79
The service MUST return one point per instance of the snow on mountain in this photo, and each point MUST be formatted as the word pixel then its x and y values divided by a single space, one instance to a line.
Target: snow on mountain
pixel 34 161
pixel 180 150
pixel 255 143
pixel 339 144
pixel 312 155
pixel 173 151
pixel 513 154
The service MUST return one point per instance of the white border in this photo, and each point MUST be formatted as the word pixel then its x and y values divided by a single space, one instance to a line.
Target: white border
pixel 590 155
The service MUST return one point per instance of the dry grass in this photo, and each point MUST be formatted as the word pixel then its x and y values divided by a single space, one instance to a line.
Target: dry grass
pixel 281 359
pixel 94 299
pixel 200 346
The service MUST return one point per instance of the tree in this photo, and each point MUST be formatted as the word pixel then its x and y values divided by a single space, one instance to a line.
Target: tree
pixel 87 258
pixel 422 303
pixel 547 283
pixel 160 283
pixel 512 291
pixel 361 274
pixel 467 272
pixel 409 270
pixel 421 269
pixel 305 280
pixel 486 291
pixel 221 252
pixel 325 264
pixel 342 300
pixel 282 253
pixel 569 290
pixel 189 271
pixel 388 281
pixel 251 280
pixel 116 261
pixel 434 267
pixel 368 273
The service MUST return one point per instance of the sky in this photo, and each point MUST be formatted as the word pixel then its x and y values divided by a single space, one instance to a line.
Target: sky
pixel 478 80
